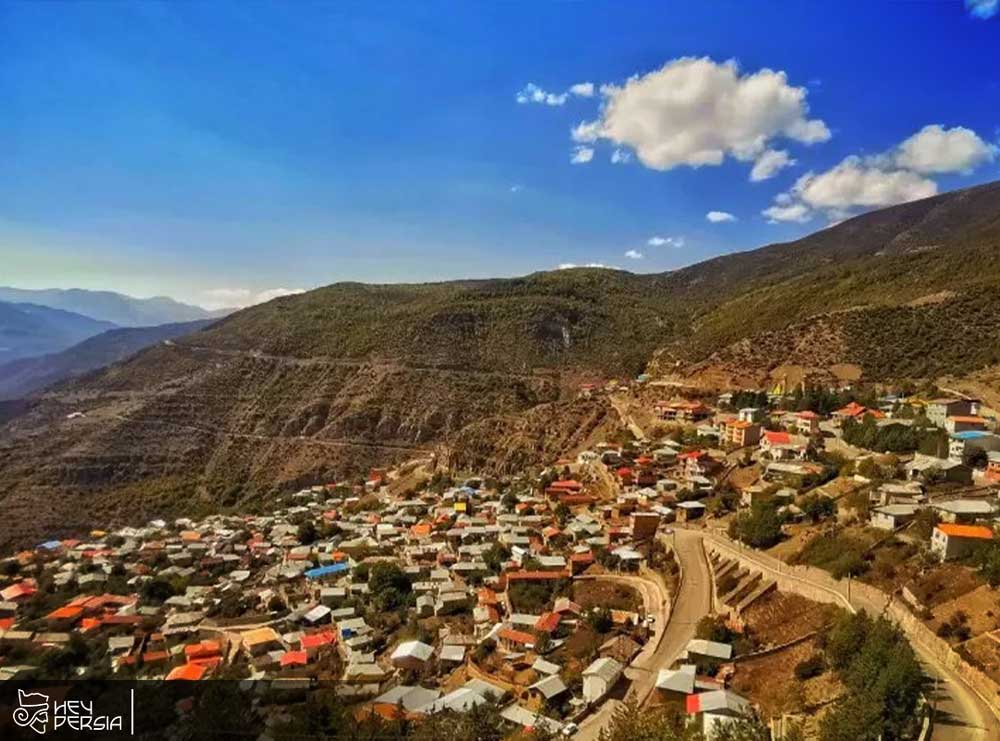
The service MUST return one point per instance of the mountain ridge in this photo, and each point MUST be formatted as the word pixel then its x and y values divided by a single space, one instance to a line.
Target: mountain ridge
pixel 117 308
pixel 326 384
pixel 20 378
pixel 31 329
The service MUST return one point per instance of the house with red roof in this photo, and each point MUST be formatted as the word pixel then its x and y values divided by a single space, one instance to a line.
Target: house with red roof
pixel 548 622
pixel 783 445
pixel 19 592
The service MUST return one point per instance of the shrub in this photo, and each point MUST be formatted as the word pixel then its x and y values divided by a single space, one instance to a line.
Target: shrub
pixel 811 667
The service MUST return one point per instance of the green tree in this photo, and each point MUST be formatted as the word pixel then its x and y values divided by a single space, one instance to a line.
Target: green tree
pixel 307 533
pixel 818 507
pixel 389 585
pixel 758 528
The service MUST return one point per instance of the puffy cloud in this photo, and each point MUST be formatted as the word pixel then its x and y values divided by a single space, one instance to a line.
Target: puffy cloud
pixel 769 163
pixel 532 93
pixel 855 183
pixel 896 176
pixel 794 212
pixel 697 112
pixel 935 149
pixel 665 241
pixel 718 217
pixel 582 155
pixel 224 298
pixel 983 9
pixel 571 265
pixel 516 188
pixel 634 255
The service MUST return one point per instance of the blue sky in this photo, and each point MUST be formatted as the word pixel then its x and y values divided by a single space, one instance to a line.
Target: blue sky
pixel 220 152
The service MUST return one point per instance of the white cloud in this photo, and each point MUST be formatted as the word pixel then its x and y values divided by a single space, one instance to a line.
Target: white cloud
pixel 621 157
pixel 665 241
pixel 769 163
pixel 225 298
pixel 634 255
pixel 935 149
pixel 582 155
pixel 896 176
pixel 718 217
pixel 983 9
pixel 571 265
pixel 794 212
pixel 532 93
pixel 697 112
pixel 516 188
pixel 856 183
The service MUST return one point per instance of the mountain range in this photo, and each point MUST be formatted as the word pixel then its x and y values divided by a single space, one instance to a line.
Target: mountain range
pixel 21 378
pixel 484 373
pixel 107 306
pixel 30 329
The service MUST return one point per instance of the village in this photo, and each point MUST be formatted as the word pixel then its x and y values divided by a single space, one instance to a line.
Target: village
pixel 663 567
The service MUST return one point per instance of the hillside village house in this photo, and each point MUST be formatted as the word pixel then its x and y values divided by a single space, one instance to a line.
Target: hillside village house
pixel 780 446
pixel 742 433
pixel 600 677
pixel 926 467
pixel 950 541
pixel 892 516
pixel 993 467
pixel 938 410
pixel 964 423
pixel 686 412
pixel 961 444
pixel 964 511
pixel 717 708
pixel 853 411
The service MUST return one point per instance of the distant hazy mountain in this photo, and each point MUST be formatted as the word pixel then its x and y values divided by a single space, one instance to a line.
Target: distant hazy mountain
pixel 19 378
pixel 30 329
pixel 125 311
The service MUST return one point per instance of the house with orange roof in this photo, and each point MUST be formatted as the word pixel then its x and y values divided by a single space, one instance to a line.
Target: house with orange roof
pixel 421 530
pixel 515 640
pixel 64 617
pixel 964 423
pixel 294 658
pixel 313 642
pixel 188 672
pixel 742 433
pixel 950 541
pixel 853 411
pixel 202 650
pixel 687 412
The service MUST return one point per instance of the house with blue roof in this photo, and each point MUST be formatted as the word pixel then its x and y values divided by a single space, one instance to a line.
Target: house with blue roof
pixel 322 572
pixel 962 444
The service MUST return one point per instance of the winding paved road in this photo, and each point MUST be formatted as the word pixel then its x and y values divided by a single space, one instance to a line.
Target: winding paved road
pixel 691 603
